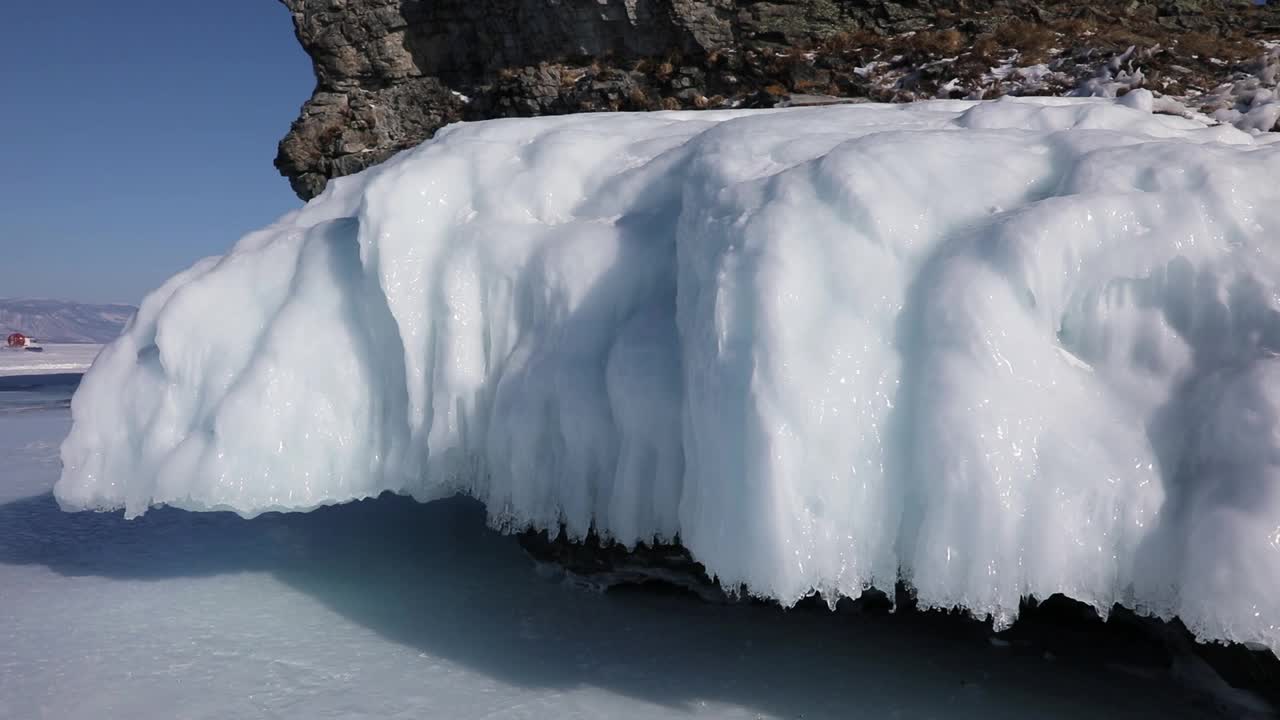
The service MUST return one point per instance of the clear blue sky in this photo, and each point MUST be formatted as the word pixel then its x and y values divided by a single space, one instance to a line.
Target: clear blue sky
pixel 138 137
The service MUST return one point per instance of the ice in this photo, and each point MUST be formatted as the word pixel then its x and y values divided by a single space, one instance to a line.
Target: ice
pixel 59 359
pixel 1250 101
pixel 998 349
pixel 391 609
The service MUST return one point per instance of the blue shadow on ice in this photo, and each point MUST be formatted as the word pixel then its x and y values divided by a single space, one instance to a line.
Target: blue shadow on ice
pixel 29 382
pixel 20 393
pixel 434 578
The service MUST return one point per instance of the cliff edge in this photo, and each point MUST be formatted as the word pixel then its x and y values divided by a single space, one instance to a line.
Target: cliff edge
pixel 389 73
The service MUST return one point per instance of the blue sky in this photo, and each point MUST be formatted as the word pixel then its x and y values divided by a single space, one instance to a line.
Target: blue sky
pixel 138 137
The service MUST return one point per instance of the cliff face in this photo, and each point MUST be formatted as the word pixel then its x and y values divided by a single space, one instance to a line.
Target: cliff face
pixel 389 73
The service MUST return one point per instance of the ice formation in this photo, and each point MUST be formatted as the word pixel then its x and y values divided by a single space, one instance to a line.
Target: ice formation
pixel 1000 349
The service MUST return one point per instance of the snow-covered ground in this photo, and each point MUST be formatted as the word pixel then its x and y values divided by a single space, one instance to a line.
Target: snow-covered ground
pixel 998 349
pixel 54 359
pixel 393 609
pixel 1243 92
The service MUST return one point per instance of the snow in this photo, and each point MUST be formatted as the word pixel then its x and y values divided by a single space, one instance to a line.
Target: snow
pixel 53 359
pixel 998 349
pixel 1249 102
pixel 391 609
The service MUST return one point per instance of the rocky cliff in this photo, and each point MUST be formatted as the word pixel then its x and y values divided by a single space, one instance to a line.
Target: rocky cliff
pixel 391 72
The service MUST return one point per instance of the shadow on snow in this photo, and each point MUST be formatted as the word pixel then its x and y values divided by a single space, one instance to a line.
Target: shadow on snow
pixel 434 578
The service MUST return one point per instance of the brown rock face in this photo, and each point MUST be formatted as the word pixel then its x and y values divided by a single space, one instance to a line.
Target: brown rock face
pixel 389 73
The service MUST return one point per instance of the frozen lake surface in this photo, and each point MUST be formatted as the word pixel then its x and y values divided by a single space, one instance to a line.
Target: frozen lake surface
pixel 67 359
pixel 393 609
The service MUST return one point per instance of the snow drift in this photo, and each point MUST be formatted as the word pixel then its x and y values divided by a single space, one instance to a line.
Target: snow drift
pixel 1000 349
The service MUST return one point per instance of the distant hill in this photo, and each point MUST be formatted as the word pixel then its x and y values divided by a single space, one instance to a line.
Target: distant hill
pixel 57 321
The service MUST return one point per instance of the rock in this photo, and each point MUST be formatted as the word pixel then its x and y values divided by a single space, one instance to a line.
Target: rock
pixel 342 133
pixel 601 565
pixel 389 73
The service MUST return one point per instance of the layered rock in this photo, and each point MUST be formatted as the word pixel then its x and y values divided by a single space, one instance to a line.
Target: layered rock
pixel 389 73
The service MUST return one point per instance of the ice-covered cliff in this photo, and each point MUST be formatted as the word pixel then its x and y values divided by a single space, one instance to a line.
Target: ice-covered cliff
pixel 998 349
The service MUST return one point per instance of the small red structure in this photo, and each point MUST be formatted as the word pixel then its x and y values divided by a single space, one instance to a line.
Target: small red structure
pixel 17 340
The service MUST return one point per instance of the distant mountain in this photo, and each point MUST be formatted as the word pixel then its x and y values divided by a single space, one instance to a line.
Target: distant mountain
pixel 57 321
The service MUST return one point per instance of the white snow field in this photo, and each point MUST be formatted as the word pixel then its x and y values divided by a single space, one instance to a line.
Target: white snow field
pixel 392 609
pixel 1005 348
pixel 54 359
